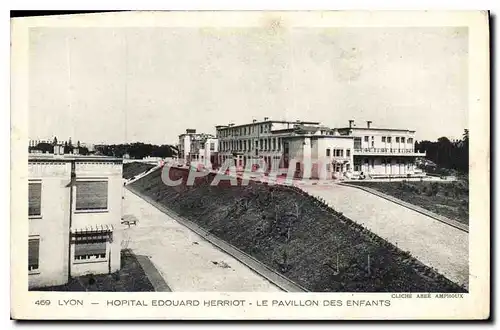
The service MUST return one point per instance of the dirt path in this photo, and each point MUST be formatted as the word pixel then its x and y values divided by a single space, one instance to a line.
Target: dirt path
pixel 435 244
pixel 185 260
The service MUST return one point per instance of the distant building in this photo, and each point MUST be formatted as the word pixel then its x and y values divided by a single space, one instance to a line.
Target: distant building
pixel 319 151
pixel 197 148
pixel 75 206
pixel 383 152
pixel 275 142
pixel 35 142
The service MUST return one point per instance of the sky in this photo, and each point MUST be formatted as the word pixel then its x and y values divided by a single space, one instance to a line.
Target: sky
pixel 122 85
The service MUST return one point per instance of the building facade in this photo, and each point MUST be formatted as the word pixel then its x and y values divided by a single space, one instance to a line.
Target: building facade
pixel 75 205
pixel 255 141
pixel 318 151
pixel 197 148
pixel 383 152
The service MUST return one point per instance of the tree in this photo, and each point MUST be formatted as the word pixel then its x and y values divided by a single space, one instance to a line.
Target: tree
pixel 44 147
pixel 447 154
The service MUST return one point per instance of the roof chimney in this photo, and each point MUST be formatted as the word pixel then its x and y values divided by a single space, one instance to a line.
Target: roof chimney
pixel 351 123
pixel 266 118
pixel 368 123
pixel 254 121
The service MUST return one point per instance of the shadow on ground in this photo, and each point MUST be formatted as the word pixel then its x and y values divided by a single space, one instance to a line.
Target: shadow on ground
pixel 130 278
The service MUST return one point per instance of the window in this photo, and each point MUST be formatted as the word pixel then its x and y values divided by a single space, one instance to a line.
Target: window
pixel 388 139
pixel 383 138
pixel 33 254
pixel 357 143
pixel 397 139
pixel 34 199
pixel 327 152
pixel 366 138
pixel 91 195
pixel 90 251
pixel 402 140
pixel 261 128
pixel 212 146
pixel 410 140
pixel 348 152
pixel 274 143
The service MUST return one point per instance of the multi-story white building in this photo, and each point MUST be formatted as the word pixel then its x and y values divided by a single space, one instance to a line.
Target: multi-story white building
pixel 383 152
pixel 318 151
pixel 75 205
pixel 197 148
pixel 256 140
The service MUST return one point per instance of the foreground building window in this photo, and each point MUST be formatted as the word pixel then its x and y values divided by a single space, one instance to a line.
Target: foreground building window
pixel 91 245
pixel 90 251
pixel 34 199
pixel 33 254
pixel 91 195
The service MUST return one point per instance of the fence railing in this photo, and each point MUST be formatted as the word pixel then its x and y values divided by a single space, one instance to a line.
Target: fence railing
pixel 388 151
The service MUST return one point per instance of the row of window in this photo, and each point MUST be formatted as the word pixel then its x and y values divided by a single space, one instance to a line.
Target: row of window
pixel 338 167
pixel 90 196
pixel 388 139
pixel 338 152
pixel 243 160
pixel 269 144
pixel 246 130
pixel 83 252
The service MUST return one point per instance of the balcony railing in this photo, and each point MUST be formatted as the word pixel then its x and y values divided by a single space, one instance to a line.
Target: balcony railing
pixel 388 151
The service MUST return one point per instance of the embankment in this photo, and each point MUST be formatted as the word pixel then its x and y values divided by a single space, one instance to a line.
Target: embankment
pixel 295 234
pixel 130 170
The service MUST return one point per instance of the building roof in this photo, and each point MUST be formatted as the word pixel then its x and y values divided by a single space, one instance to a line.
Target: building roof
pixel 36 157
pixel 375 129
pixel 270 121
pixel 301 136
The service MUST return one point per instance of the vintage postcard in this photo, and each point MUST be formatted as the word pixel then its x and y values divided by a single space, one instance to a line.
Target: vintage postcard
pixel 251 166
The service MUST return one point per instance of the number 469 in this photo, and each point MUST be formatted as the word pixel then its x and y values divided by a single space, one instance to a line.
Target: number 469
pixel 42 302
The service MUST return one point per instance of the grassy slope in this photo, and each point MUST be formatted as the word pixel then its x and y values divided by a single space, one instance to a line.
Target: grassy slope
pixel 132 169
pixel 256 218
pixel 450 199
